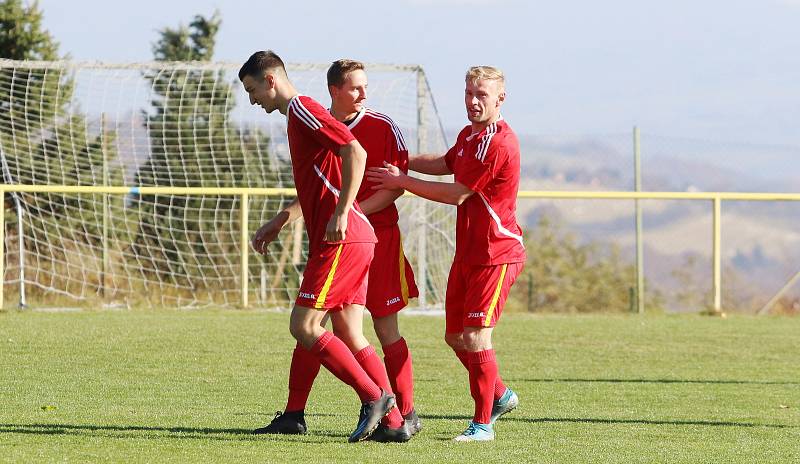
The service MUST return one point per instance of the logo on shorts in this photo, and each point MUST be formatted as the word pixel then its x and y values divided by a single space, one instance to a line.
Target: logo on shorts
pixel 478 315
pixel 460 152
pixel 393 301
pixel 310 296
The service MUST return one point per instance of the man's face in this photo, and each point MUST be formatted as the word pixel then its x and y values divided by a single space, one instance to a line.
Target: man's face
pixel 350 97
pixel 483 99
pixel 261 91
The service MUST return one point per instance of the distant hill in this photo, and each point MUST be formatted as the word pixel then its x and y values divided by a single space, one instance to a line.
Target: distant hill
pixel 761 241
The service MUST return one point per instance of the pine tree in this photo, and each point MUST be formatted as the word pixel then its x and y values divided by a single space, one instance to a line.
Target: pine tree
pixel 194 144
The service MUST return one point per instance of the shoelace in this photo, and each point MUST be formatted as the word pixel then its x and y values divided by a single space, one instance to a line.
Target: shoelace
pixel 277 415
pixel 471 429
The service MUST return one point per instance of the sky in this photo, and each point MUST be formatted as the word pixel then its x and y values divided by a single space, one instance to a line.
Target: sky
pixel 704 69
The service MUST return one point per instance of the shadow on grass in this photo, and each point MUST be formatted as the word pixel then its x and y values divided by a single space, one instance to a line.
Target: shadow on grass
pixel 124 431
pixel 664 381
pixel 582 420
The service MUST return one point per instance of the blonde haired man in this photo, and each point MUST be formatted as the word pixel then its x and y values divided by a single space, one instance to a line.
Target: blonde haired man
pixel 485 161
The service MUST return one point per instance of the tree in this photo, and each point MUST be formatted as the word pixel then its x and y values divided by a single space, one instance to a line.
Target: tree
pixel 194 144
pixel 562 275
pixel 45 140
pixel 21 33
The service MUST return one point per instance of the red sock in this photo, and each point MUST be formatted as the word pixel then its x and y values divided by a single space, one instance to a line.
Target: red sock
pixel 499 386
pixel 302 372
pixel 482 378
pixel 401 374
pixel 373 366
pixel 334 355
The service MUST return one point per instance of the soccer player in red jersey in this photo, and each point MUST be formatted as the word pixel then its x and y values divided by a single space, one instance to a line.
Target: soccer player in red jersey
pixel 391 279
pixel 485 161
pixel 328 165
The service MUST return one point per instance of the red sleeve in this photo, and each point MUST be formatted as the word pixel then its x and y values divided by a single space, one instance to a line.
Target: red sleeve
pixel 316 122
pixel 450 157
pixel 478 169
pixel 396 155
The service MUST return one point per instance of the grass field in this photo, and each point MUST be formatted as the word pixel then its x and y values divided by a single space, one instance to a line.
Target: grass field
pixel 180 386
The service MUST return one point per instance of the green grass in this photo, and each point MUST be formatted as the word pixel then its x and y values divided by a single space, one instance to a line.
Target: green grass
pixel 172 386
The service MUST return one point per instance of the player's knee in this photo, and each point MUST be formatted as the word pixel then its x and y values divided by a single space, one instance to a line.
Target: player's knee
pixel 387 331
pixel 354 340
pixel 297 331
pixel 455 341
pixel 477 340
pixel 300 331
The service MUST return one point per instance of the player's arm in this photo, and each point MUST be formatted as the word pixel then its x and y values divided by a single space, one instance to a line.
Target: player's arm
pixel 390 177
pixel 379 200
pixel 270 230
pixel 354 160
pixel 434 165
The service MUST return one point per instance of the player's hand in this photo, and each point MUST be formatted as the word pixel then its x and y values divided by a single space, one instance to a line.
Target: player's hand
pixel 337 227
pixel 388 177
pixel 268 233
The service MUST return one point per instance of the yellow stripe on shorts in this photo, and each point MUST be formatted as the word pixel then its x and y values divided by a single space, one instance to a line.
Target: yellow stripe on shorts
pixel 325 288
pixel 403 282
pixel 496 297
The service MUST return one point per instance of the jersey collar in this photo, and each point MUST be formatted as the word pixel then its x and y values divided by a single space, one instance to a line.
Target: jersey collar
pixel 358 118
pixel 289 104
pixel 475 134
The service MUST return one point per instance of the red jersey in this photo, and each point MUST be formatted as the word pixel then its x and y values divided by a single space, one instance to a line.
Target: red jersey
pixel 314 141
pixel 487 232
pixel 382 140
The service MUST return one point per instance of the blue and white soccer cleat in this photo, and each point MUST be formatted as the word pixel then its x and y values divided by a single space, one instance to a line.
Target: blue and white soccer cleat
pixel 477 432
pixel 505 404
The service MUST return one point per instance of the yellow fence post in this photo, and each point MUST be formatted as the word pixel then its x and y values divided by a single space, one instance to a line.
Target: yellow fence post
pixel 637 162
pixel 2 243
pixel 244 243
pixel 717 254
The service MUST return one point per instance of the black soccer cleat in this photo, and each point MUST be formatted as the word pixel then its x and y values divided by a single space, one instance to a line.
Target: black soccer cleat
pixel 370 416
pixel 287 423
pixel 413 423
pixel 386 434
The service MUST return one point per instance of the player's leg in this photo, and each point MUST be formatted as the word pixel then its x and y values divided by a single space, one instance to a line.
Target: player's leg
pixel 454 334
pixel 391 285
pixel 334 354
pixel 455 305
pixel 304 362
pixel 335 276
pixel 487 291
pixel 303 370
pixel 399 367
pixel 482 370
pixel 348 325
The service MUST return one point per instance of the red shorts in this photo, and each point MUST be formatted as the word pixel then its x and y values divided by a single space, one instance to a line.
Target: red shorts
pixel 336 276
pixel 476 294
pixel 391 279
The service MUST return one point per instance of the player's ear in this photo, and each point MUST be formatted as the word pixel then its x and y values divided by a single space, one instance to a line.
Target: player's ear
pixel 270 80
pixel 501 98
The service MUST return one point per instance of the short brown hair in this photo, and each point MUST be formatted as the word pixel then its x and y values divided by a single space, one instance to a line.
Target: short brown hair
pixel 486 73
pixel 259 62
pixel 340 69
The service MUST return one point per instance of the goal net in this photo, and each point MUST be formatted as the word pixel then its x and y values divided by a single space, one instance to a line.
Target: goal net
pixel 175 125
